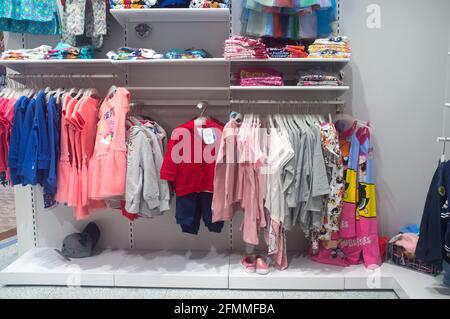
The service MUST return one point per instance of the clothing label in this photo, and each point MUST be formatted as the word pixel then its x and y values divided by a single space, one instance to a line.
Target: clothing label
pixel 208 136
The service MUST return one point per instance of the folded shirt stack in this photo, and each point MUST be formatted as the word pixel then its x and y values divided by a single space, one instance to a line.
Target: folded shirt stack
pixel 334 47
pixel 320 78
pixel 238 47
pixel 38 53
pixel 296 51
pixel 278 52
pixel 187 54
pixel 259 77
pixel 64 51
pixel 126 53
pixel 132 4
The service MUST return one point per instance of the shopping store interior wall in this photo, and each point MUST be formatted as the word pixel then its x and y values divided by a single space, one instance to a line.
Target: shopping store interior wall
pixel 397 79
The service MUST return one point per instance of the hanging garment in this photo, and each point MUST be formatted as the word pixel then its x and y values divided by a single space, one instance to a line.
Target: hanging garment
pixel 184 162
pixel 84 18
pixel 225 202
pixel 146 194
pixel 335 173
pixel 30 16
pixel 434 241
pixel 189 164
pixel 359 230
pixel 110 152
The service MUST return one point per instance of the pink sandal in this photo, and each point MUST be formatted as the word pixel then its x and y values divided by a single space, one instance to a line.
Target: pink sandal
pixel 249 264
pixel 261 266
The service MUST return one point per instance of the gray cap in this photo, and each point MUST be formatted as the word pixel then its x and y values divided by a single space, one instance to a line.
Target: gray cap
pixel 80 245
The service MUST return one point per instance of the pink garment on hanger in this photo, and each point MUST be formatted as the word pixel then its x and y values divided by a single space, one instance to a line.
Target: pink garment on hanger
pixel 107 168
pixel 64 168
pixel 85 118
pixel 225 202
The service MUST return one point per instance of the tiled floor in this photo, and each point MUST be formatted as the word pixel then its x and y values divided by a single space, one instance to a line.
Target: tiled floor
pixel 7 210
pixel 9 254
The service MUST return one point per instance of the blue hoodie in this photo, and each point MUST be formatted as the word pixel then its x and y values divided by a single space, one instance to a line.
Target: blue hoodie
pixel 16 140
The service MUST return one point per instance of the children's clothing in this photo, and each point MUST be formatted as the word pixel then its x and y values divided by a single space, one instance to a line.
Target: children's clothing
pixel 189 162
pixel 30 16
pixel 193 207
pixel 107 168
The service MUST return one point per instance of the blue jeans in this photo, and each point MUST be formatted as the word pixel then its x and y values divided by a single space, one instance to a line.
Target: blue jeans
pixel 446 267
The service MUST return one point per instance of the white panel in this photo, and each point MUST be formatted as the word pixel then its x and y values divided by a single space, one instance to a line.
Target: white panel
pixel 209 36
pixel 24 218
pixel 41 266
pixel 175 269
pixel 162 232
pixel 55 224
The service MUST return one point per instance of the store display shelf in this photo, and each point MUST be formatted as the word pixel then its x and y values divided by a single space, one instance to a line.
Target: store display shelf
pixel 66 65
pixel 124 16
pixel 289 88
pixel 290 60
pixel 210 270
pixel 171 62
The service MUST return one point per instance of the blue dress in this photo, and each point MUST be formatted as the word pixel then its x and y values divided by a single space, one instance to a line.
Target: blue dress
pixel 30 16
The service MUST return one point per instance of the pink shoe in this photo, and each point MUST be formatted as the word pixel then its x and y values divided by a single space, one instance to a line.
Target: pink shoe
pixel 249 264
pixel 261 266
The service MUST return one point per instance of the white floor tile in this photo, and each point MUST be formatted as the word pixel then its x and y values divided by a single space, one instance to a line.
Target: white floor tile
pixel 106 293
pixel 222 294
pixel 367 295
pixel 19 292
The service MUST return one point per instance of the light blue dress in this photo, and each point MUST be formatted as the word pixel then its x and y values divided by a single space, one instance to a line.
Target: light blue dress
pixel 30 16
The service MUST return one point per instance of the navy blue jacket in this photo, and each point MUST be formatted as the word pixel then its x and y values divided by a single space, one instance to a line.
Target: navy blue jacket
pixel 434 230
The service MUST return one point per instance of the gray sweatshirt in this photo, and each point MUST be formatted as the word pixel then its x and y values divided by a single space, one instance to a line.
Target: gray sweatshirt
pixel 146 194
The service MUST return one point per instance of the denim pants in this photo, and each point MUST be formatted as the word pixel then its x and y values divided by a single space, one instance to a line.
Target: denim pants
pixel 446 267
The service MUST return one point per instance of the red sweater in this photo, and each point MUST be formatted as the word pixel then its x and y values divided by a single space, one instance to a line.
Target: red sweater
pixel 189 162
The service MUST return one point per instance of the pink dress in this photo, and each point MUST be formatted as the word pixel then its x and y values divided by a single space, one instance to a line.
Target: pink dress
pixel 72 192
pixel 64 162
pixel 107 168
pixel 85 118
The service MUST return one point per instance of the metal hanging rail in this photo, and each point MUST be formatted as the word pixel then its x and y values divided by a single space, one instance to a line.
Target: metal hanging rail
pixel 317 102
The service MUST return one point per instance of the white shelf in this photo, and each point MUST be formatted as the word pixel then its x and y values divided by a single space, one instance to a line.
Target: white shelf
pixel 210 269
pixel 289 88
pixel 21 65
pixel 291 60
pixel 124 16
pixel 123 64
pixel 177 269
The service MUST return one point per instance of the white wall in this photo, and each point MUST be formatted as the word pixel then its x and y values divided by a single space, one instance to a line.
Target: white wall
pixel 397 76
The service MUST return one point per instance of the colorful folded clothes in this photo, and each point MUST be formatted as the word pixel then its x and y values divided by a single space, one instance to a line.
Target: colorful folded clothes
pixel 38 53
pixel 320 78
pixel 65 51
pixel 132 4
pixel 334 47
pixel 238 47
pixel 187 54
pixel 126 53
pixel 259 77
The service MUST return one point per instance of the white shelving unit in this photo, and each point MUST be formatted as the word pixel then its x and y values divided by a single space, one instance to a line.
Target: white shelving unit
pixel 125 16
pixel 292 60
pixel 289 88
pixel 208 269
pixel 23 66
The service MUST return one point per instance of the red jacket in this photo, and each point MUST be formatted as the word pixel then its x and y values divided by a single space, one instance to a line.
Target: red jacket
pixel 189 162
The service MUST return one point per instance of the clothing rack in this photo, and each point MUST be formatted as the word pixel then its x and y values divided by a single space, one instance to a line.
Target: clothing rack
pixel 319 102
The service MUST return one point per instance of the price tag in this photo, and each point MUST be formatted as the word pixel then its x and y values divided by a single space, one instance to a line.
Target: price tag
pixel 209 136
